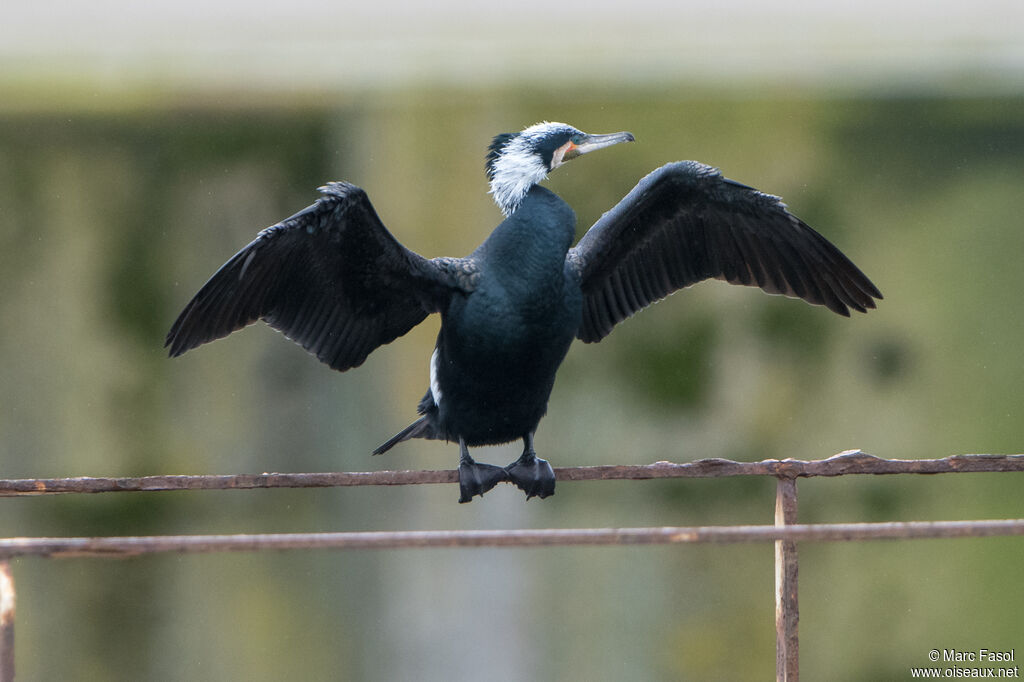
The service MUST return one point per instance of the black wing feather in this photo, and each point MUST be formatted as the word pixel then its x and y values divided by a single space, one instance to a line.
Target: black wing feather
pixel 685 223
pixel 331 278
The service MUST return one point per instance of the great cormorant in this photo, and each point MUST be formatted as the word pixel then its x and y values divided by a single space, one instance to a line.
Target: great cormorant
pixel 335 281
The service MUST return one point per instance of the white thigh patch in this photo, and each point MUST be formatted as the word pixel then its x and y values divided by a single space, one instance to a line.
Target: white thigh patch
pixel 435 385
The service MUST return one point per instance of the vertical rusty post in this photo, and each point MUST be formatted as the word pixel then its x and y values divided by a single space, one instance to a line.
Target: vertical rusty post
pixel 6 622
pixel 787 612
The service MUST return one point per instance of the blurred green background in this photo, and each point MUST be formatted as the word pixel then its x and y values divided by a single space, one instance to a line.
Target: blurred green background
pixel 140 148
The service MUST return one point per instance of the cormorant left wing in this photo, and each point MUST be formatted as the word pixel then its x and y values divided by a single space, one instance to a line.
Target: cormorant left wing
pixel 331 278
pixel 685 223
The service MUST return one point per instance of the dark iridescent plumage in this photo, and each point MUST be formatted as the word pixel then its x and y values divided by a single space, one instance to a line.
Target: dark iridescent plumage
pixel 333 279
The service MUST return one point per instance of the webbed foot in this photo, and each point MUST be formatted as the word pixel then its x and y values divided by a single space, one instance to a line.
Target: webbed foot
pixel 474 478
pixel 533 475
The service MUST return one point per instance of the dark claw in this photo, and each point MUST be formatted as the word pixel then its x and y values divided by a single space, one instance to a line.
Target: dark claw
pixel 476 479
pixel 533 475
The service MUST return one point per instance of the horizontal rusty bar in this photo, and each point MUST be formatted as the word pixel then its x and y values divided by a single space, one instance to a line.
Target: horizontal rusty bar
pixel 845 463
pixel 133 546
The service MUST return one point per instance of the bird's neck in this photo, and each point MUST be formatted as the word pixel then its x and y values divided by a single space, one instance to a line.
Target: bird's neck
pixel 512 177
pixel 535 237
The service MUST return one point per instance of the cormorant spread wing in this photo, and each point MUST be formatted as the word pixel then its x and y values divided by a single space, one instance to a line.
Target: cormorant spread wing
pixel 685 223
pixel 331 278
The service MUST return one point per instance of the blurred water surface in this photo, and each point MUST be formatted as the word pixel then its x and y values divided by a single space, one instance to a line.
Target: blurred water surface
pixel 110 221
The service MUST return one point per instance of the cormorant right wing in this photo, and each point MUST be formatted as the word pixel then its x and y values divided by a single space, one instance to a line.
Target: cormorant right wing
pixel 331 278
pixel 685 223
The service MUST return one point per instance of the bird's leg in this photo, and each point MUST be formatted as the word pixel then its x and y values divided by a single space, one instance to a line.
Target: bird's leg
pixel 530 473
pixel 474 478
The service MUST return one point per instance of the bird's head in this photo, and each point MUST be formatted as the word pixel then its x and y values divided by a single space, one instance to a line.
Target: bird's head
pixel 518 161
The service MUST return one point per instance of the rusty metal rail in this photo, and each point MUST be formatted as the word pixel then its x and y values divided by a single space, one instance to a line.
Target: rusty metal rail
pixel 785 533
pixel 6 622
pixel 843 464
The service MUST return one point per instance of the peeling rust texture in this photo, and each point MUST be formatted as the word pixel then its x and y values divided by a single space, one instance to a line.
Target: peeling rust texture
pixel 132 546
pixel 845 463
pixel 86 484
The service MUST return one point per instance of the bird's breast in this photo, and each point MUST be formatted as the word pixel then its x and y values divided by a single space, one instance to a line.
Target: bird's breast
pixel 496 360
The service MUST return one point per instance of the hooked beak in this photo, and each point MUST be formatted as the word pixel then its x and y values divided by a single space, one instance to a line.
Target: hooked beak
pixel 590 143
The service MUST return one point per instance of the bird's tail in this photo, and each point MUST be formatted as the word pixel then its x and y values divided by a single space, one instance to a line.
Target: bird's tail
pixel 420 428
